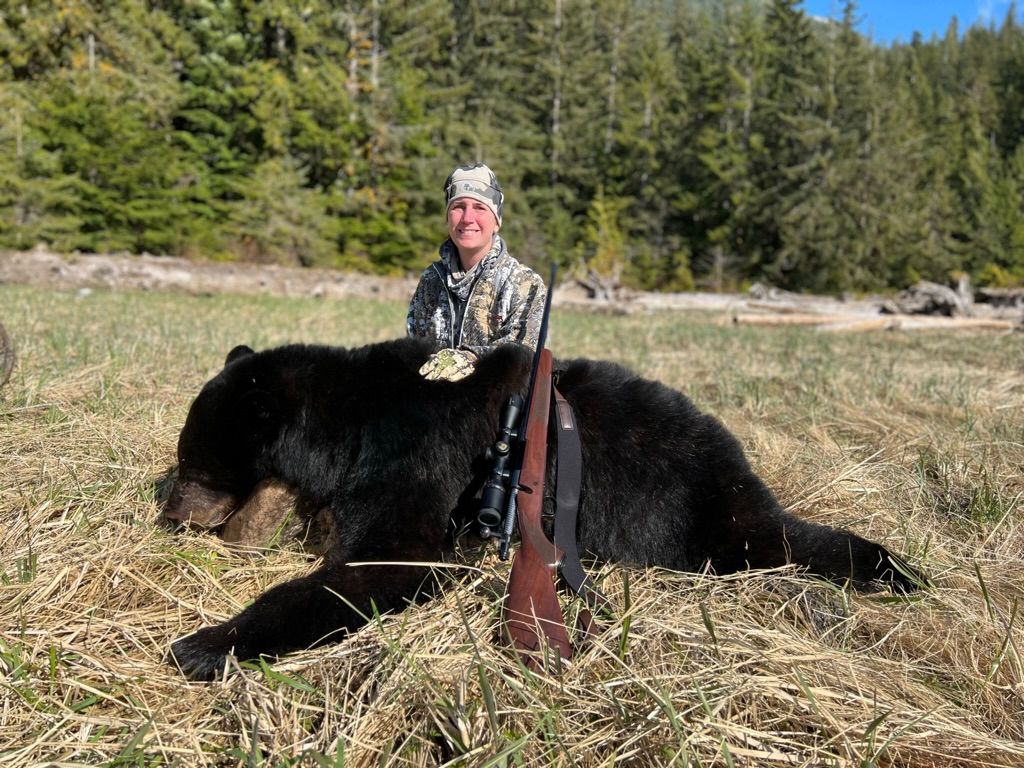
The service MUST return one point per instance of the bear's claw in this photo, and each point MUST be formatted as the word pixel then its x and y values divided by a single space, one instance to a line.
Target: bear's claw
pixel 200 656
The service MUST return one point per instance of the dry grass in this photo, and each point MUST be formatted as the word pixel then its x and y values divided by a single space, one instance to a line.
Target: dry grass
pixel 914 440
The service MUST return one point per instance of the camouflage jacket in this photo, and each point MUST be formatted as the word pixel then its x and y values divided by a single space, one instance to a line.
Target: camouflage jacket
pixel 496 302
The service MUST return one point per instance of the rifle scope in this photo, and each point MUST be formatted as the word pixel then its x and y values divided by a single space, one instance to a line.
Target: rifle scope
pixel 492 502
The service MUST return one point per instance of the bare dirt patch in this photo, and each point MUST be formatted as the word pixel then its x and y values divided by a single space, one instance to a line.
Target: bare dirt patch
pixel 167 273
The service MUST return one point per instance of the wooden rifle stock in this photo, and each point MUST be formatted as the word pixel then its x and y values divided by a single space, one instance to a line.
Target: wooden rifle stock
pixel 532 611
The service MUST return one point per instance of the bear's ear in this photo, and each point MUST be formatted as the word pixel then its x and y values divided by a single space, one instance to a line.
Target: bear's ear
pixel 240 351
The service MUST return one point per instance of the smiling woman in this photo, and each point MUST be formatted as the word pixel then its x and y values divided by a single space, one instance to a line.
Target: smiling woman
pixel 475 203
pixel 471 226
pixel 475 296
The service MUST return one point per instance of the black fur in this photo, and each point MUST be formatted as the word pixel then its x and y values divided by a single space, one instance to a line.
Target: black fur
pixel 392 455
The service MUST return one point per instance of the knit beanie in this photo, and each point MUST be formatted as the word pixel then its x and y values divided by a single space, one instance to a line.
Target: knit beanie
pixel 478 182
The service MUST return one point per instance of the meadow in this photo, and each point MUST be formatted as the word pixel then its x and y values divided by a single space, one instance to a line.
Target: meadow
pixel 915 440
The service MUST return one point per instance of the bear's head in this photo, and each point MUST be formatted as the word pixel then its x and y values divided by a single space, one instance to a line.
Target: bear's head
pixel 227 431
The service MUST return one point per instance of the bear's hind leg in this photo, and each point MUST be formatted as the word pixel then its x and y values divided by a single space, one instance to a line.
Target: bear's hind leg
pixel 755 532
pixel 841 556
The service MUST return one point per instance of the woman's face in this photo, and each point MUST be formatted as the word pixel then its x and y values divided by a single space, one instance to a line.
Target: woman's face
pixel 471 226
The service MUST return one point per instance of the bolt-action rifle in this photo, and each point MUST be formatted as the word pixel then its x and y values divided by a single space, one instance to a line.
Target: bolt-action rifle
pixel 516 484
pixel 498 504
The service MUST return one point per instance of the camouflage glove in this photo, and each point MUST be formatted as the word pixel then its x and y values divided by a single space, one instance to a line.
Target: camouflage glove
pixel 448 365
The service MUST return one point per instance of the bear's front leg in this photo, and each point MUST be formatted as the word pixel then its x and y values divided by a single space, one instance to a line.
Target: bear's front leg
pixel 306 612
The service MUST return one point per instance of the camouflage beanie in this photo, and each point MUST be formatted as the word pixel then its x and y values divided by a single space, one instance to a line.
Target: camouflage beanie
pixel 478 182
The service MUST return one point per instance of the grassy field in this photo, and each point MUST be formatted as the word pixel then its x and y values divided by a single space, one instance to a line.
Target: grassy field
pixel 915 440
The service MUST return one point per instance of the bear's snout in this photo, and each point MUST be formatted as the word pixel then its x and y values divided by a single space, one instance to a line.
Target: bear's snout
pixel 197 506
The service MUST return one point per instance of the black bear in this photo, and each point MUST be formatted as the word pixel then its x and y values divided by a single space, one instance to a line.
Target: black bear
pixel 396 461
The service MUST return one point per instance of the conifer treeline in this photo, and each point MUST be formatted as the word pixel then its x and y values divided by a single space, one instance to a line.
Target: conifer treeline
pixel 664 140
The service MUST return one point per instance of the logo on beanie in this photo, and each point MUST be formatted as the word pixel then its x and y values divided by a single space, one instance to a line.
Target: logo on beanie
pixel 477 182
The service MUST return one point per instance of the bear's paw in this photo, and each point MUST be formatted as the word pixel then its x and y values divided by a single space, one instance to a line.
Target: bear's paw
pixel 201 655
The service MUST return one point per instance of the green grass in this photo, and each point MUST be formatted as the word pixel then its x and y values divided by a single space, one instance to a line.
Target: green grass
pixel 915 439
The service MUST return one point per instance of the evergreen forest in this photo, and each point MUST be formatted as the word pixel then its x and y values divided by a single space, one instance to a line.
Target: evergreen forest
pixel 669 144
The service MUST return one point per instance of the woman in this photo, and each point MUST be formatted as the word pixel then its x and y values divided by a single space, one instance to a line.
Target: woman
pixel 475 296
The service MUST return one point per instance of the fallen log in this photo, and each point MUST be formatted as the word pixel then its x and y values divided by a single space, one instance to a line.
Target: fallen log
pixel 924 323
pixel 791 318
pixel 855 323
pixel 1002 297
pixel 820 307
pixel 860 324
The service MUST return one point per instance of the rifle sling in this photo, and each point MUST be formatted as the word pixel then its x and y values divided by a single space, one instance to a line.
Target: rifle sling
pixel 568 481
pixel 532 610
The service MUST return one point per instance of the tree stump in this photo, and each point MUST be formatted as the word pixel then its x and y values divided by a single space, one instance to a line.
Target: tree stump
pixel 928 298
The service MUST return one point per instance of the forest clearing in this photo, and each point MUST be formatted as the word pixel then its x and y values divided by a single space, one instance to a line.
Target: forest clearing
pixel 915 440
pixel 824 192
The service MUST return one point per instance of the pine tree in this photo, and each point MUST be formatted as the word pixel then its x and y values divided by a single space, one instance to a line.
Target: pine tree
pixel 644 140
pixel 788 168
pixel 95 164
pixel 279 219
pixel 35 204
pixel 388 199
pixel 926 215
pixel 1008 82
pixel 723 66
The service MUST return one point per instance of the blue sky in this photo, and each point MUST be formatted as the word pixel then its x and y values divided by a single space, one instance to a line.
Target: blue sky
pixel 887 21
